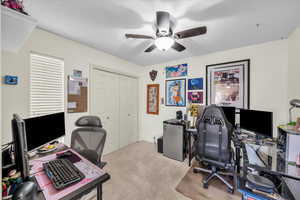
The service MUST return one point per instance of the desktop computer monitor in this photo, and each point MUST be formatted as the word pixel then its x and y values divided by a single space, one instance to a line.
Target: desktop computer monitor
pixel 230 114
pixel 20 146
pixel 44 129
pixel 259 122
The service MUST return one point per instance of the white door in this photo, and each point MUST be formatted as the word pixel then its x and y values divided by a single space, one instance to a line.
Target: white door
pixel 128 110
pixel 105 104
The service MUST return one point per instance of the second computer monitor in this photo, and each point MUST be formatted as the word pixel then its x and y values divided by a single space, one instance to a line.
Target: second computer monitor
pixel 229 114
pixel 259 122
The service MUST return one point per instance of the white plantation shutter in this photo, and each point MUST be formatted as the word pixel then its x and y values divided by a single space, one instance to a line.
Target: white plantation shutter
pixel 46 85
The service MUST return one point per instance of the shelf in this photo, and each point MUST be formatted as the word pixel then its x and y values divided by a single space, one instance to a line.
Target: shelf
pixel 15 29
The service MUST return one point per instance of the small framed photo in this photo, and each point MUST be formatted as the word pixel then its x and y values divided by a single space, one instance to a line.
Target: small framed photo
pixel 195 84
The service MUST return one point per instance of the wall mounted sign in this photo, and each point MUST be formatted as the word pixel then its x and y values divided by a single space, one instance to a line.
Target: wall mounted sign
pixel 227 84
pixel 176 71
pixel 153 75
pixel 153 99
pixel 11 80
pixel 175 92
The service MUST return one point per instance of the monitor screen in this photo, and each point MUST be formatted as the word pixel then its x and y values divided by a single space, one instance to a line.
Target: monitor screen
pixel 259 122
pixel 44 129
pixel 230 114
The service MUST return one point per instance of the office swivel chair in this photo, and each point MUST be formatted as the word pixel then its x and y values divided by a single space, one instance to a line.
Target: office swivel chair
pixel 213 144
pixel 89 139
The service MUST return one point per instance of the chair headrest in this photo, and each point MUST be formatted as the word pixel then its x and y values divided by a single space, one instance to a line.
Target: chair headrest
pixel 89 121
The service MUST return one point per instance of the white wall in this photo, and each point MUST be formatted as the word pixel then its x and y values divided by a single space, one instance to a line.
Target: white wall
pixel 294 70
pixel 268 82
pixel 15 99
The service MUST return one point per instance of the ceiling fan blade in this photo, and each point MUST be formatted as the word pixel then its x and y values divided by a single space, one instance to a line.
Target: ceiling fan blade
pixel 178 47
pixel 151 48
pixel 136 36
pixel 191 32
pixel 163 22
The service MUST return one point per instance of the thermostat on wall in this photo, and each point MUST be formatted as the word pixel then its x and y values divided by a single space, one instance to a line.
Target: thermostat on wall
pixel 10 80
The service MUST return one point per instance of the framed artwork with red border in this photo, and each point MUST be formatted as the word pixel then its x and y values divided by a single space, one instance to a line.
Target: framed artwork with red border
pixel 153 99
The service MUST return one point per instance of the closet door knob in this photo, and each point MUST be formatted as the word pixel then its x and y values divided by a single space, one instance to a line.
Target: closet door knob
pixel 107 117
pixel 128 115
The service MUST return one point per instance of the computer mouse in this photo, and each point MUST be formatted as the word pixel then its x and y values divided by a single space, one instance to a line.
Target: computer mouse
pixel 26 191
pixel 64 154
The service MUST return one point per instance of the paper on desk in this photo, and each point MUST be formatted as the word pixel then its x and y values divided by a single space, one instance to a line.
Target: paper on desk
pixel 90 171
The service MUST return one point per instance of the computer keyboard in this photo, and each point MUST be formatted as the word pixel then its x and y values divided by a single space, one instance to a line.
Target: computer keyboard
pixel 62 173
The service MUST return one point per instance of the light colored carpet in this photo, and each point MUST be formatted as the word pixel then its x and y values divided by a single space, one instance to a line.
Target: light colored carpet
pixel 138 172
pixel 191 186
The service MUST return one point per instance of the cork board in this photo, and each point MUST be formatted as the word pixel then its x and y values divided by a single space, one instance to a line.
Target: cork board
pixel 77 94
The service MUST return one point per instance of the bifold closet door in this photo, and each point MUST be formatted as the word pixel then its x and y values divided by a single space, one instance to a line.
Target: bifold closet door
pixel 105 104
pixel 128 111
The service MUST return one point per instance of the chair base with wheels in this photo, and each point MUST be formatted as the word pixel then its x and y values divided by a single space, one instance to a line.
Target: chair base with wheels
pixel 213 172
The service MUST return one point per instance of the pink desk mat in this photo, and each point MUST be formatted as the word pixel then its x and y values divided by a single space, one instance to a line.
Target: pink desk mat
pixel 90 171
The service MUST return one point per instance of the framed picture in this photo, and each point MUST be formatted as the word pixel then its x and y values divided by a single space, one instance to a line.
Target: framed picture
pixel 176 71
pixel 176 93
pixel 195 84
pixel 227 84
pixel 153 99
pixel 195 97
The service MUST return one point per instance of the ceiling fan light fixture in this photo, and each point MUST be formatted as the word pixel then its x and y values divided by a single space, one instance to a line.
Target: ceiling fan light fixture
pixel 164 43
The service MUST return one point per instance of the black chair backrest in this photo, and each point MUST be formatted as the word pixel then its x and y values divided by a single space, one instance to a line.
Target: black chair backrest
pixel 89 138
pixel 214 132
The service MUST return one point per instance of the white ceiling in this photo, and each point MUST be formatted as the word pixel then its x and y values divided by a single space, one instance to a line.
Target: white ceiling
pixel 103 23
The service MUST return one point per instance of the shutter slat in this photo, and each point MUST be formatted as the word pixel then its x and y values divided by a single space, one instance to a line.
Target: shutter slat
pixel 46 85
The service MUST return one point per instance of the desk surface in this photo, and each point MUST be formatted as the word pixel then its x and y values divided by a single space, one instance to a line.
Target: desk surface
pixel 82 188
pixel 270 159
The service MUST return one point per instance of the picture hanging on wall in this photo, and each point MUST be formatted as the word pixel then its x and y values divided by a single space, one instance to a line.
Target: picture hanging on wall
pixel 195 84
pixel 227 84
pixel 176 71
pixel 153 99
pixel 195 97
pixel 176 93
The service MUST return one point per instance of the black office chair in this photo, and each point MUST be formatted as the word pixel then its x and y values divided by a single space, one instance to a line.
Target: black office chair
pixel 213 146
pixel 89 139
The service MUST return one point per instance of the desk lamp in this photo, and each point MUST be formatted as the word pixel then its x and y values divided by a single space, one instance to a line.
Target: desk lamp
pixel 295 103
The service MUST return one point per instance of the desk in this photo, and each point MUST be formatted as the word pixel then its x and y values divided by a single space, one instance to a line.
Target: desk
pixel 190 132
pixel 84 188
pixel 267 159
pixel 273 160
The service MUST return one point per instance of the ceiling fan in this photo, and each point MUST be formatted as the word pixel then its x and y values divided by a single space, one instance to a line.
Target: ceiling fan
pixel 165 36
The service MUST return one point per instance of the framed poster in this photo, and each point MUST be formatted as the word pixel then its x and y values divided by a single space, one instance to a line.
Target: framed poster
pixel 195 84
pixel 227 84
pixel 176 92
pixel 176 71
pixel 153 99
pixel 195 97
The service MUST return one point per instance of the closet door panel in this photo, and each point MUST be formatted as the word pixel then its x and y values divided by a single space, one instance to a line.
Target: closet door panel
pixel 105 104
pixel 128 111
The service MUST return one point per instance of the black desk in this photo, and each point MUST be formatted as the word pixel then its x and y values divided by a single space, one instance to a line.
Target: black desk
pixel 85 189
pixel 271 160
pixel 190 132
pixel 267 159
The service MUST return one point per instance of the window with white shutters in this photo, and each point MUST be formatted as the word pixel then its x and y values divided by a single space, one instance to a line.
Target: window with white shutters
pixel 46 85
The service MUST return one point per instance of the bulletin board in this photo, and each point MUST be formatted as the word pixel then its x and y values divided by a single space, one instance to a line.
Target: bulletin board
pixel 77 94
